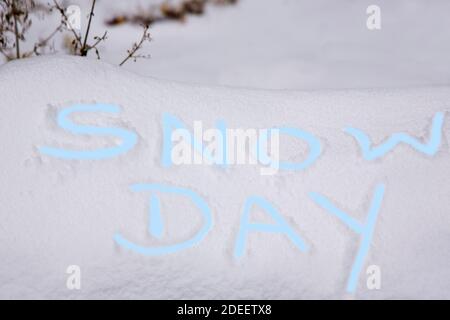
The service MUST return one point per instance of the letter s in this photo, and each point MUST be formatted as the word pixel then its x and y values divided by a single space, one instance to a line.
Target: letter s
pixel 128 138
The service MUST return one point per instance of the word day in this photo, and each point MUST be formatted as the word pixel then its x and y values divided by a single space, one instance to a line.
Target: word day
pixel 279 225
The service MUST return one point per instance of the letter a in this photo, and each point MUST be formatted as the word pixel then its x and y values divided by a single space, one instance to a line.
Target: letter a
pixel 281 226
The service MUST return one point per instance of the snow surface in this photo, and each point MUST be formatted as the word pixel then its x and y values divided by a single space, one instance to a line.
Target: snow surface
pixel 284 44
pixel 55 213
pixel 300 44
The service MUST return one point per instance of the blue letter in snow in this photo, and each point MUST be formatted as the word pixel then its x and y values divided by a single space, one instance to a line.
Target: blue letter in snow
pixel 365 230
pixel 128 138
pixel 156 225
pixel 377 152
pixel 315 148
pixel 280 227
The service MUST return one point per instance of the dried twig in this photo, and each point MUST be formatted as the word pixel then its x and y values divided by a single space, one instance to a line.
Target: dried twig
pixel 65 21
pixel 98 40
pixel 43 42
pixel 80 45
pixel 132 53
pixel 14 25
pixel 84 49
pixel 15 13
pixel 7 57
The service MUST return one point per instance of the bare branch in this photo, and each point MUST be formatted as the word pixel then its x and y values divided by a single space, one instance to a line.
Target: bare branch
pixel 98 40
pixel 43 42
pixel 2 51
pixel 15 13
pixel 80 45
pixel 14 25
pixel 84 49
pixel 132 53
pixel 65 21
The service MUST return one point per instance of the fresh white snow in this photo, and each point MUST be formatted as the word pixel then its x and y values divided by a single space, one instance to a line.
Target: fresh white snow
pixel 284 44
pixel 311 65
pixel 56 213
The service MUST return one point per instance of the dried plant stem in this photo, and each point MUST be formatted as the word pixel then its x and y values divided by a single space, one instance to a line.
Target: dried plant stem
pixel 80 45
pixel 16 29
pixel 5 54
pixel 65 20
pixel 137 46
pixel 84 50
pixel 44 42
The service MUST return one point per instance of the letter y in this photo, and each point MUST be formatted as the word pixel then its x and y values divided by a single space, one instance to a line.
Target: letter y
pixel 366 230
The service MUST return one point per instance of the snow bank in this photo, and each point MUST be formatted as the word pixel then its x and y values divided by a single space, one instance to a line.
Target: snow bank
pixel 55 212
pixel 289 44
pixel 293 44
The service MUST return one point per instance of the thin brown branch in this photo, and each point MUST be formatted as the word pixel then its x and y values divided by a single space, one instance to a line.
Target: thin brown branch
pixel 44 42
pixel 84 50
pixel 7 57
pixel 137 46
pixel 65 21
pixel 80 45
pixel 98 40
pixel 16 28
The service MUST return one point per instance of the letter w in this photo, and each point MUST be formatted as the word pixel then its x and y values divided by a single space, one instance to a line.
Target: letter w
pixel 429 148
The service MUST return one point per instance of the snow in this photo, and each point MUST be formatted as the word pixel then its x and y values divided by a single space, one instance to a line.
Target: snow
pixel 285 44
pixel 312 65
pixel 56 213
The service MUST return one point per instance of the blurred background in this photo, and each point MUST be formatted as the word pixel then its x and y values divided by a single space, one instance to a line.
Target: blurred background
pixel 272 44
